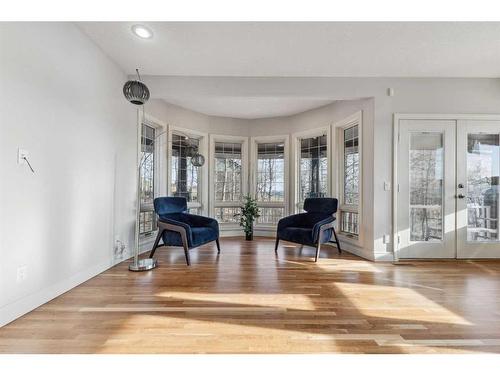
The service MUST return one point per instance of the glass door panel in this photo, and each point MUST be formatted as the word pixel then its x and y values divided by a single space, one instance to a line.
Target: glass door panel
pixel 478 189
pixel 482 187
pixel 426 186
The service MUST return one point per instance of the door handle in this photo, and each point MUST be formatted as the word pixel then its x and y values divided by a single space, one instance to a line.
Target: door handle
pixel 460 196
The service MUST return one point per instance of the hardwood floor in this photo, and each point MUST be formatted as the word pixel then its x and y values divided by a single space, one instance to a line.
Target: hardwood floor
pixel 247 300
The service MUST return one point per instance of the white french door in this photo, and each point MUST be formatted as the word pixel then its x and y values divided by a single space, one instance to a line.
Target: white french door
pixel 426 197
pixel 448 198
pixel 478 189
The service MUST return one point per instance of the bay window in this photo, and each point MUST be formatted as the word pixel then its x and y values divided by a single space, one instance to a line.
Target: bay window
pixel 270 176
pixel 312 166
pixel 228 161
pixel 185 180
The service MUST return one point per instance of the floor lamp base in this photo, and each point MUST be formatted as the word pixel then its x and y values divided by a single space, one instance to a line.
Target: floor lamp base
pixel 143 265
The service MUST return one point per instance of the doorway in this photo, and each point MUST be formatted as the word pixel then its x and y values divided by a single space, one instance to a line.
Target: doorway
pixel 447 187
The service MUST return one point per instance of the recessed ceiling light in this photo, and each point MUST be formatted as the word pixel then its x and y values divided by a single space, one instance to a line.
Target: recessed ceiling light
pixel 142 31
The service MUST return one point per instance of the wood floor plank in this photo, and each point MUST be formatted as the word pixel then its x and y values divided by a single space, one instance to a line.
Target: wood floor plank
pixel 248 300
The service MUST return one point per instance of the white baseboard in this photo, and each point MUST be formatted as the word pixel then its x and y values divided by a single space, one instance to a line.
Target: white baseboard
pixel 384 257
pixel 15 310
pixel 356 250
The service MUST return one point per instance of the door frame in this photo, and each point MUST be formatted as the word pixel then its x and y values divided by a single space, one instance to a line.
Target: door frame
pixel 395 142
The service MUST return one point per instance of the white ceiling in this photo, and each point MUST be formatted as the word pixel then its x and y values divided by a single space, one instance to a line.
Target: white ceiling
pixel 259 49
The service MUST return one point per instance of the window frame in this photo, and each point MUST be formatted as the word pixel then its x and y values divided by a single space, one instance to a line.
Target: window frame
pixel 149 207
pixel 296 204
pixel 159 161
pixel 216 138
pixel 255 141
pixel 338 175
pixel 201 204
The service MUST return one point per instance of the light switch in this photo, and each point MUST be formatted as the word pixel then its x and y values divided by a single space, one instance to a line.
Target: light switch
pixel 387 186
pixel 387 238
pixel 21 154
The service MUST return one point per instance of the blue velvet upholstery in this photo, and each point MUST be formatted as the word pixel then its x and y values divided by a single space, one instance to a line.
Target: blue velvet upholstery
pixel 304 228
pixel 199 229
pixel 170 205
pixel 321 205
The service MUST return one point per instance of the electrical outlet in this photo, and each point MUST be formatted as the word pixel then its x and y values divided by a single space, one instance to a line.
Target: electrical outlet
pixel 22 155
pixel 22 273
pixel 119 248
pixel 387 239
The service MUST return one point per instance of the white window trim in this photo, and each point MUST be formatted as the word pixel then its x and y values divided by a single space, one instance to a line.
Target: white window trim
pixel 203 196
pixel 296 137
pixel 254 141
pixel 244 175
pixel 160 160
pixel 338 174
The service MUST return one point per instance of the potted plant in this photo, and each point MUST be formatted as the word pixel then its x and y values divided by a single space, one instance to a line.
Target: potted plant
pixel 249 212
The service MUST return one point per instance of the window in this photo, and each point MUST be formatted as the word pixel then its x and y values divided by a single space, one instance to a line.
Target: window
pixel 147 222
pixel 349 175
pixel 228 178
pixel 270 179
pixel 185 177
pixel 313 168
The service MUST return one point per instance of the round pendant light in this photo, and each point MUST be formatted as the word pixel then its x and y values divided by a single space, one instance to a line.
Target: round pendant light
pixel 136 92
pixel 197 160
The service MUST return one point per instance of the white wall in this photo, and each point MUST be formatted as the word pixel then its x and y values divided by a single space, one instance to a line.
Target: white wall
pixel 61 100
pixel 184 118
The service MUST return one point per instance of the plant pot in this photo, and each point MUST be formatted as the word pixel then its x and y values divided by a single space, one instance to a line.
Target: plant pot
pixel 249 236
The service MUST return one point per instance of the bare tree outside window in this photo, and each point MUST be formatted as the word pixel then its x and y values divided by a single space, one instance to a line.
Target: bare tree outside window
pixel 426 186
pixel 184 175
pixel 270 186
pixel 351 182
pixel 483 158
pixel 313 168
pixel 228 180
pixel 147 222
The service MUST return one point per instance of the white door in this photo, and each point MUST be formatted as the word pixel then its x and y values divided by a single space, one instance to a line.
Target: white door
pixel 478 164
pixel 426 197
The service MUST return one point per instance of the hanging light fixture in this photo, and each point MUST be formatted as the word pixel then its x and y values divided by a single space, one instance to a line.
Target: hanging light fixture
pixel 136 92
pixel 197 159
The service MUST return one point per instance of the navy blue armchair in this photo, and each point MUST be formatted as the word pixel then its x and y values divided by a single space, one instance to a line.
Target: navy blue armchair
pixel 179 228
pixel 311 228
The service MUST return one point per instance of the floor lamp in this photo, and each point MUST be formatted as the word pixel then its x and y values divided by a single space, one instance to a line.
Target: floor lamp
pixel 137 93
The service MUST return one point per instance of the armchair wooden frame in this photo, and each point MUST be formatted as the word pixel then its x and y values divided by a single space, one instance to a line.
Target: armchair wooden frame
pixel 163 226
pixel 322 229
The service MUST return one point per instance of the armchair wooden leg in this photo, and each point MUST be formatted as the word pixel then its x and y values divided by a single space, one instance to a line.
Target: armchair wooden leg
pixel 337 241
pixel 157 241
pixel 186 253
pixel 218 245
pixel 318 248
pixel 276 245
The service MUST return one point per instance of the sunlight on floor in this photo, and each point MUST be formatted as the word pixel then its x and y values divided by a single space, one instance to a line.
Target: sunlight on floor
pixel 278 300
pixel 405 304
pixel 347 265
